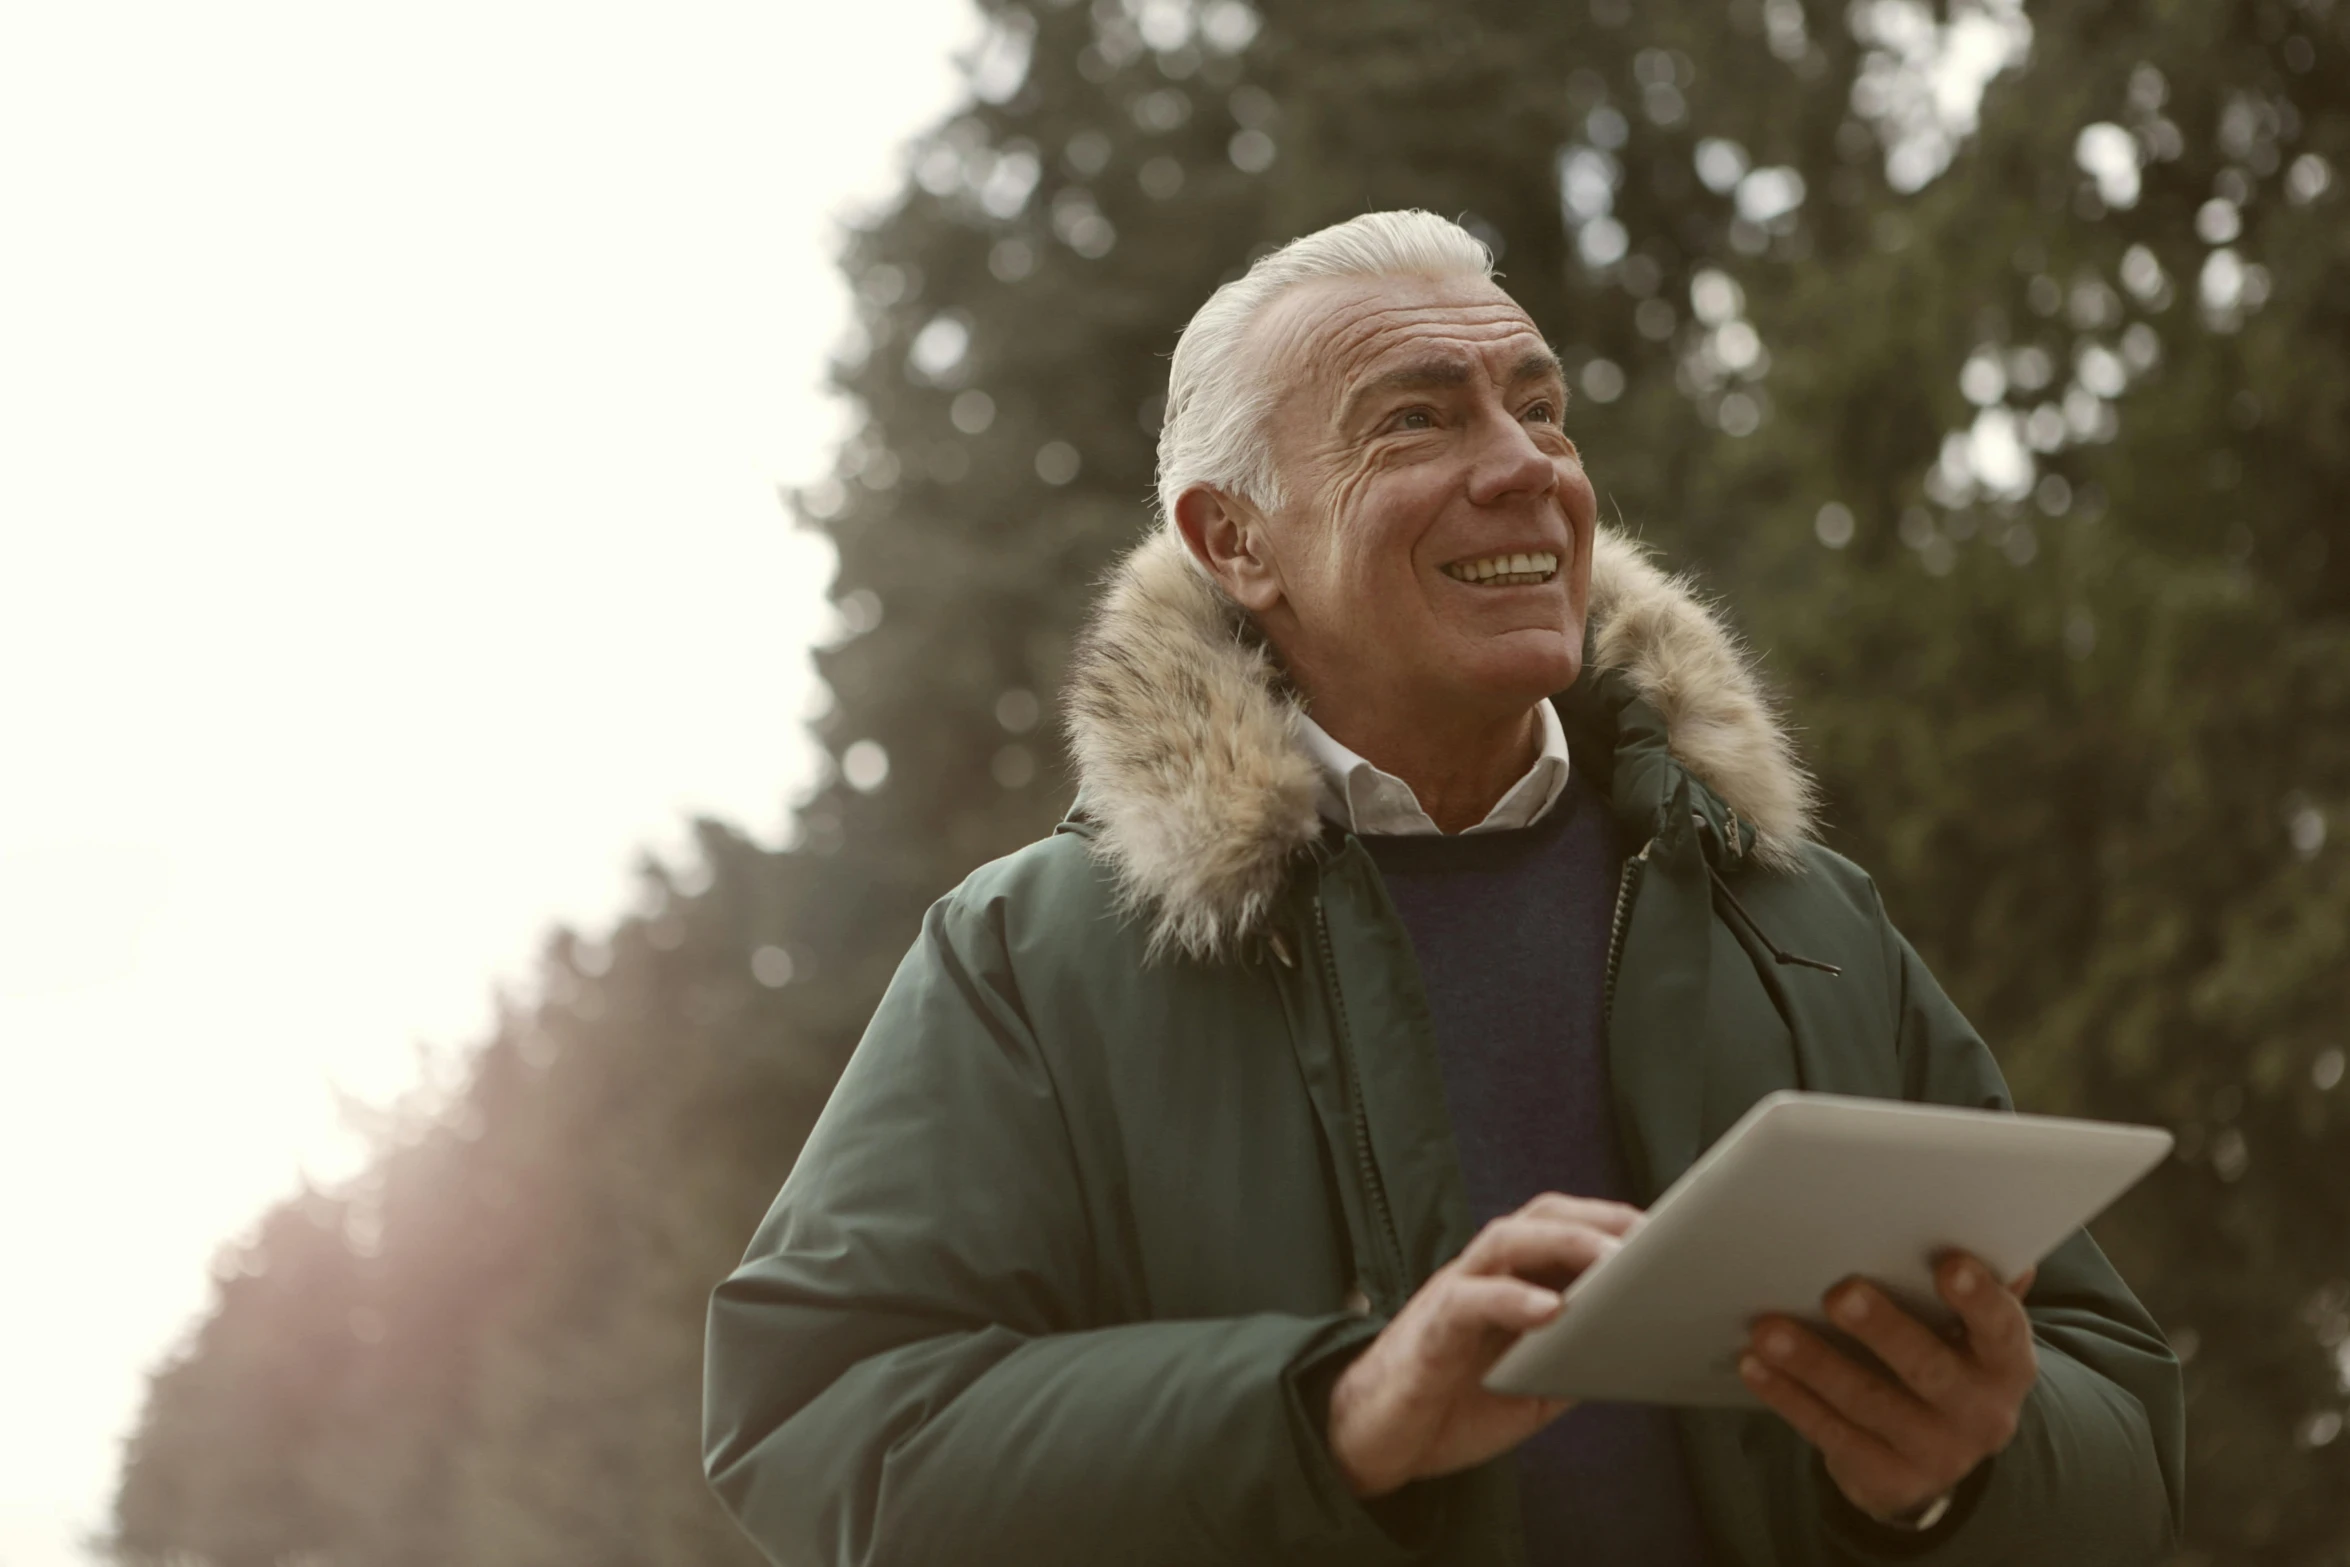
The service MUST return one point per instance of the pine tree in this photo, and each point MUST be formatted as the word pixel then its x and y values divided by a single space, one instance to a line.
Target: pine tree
pixel 2079 677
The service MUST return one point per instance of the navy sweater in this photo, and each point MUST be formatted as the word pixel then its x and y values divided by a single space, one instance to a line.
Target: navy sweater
pixel 1510 930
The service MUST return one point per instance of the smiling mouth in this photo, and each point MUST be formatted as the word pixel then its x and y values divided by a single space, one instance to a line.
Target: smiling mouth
pixel 1506 571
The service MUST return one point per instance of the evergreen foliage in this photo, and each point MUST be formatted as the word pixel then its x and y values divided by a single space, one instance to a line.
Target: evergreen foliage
pixel 2023 473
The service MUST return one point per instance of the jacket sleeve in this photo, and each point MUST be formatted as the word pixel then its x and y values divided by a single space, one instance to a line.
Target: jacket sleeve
pixel 2096 1470
pixel 906 1368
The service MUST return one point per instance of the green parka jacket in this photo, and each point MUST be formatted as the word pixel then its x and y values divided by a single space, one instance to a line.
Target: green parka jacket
pixel 1147 1138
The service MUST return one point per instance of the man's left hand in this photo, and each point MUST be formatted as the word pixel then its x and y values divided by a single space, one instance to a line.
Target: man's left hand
pixel 1890 1445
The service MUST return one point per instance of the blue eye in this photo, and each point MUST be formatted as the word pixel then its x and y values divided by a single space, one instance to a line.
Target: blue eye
pixel 1415 419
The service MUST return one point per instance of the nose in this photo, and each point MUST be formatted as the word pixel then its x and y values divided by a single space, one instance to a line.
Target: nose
pixel 1508 464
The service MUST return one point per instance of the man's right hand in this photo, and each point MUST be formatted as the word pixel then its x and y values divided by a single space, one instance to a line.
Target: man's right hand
pixel 1413 1404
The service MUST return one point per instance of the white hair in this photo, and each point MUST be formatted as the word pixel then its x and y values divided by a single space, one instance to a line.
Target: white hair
pixel 1214 428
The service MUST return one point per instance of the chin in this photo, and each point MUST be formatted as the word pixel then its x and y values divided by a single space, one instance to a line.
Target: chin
pixel 1527 668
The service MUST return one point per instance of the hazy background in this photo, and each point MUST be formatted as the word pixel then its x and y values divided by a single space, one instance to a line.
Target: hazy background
pixel 394 413
pixel 392 404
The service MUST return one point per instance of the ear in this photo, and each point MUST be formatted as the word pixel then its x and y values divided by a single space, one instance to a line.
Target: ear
pixel 1228 536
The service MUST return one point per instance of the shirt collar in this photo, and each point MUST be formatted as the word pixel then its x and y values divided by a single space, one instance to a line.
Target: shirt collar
pixel 1363 799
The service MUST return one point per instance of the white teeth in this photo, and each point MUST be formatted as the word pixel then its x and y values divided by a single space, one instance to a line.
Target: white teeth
pixel 1537 564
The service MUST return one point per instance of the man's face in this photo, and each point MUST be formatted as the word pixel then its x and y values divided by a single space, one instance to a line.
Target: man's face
pixel 1434 543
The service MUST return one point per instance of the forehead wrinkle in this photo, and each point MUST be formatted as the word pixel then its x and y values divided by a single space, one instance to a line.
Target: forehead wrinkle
pixel 1362 330
pixel 1429 353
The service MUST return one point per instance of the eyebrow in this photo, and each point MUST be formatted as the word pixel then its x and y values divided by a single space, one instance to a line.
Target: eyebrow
pixel 1539 364
pixel 1428 374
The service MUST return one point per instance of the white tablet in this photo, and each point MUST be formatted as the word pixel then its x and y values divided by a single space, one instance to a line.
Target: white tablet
pixel 1805 1191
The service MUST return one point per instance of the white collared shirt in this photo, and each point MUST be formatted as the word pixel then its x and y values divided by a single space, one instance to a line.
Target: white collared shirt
pixel 1360 797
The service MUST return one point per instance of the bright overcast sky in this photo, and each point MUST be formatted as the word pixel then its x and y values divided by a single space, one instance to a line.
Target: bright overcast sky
pixel 392 401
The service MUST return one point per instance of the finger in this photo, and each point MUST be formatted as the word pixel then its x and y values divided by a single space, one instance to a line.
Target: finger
pixel 1617 1218
pixel 1999 1334
pixel 1472 1317
pixel 1533 1246
pixel 1891 1414
pixel 1919 1356
pixel 2024 1282
pixel 1870 1463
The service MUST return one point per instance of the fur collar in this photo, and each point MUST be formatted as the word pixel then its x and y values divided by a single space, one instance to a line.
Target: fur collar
pixel 1190 768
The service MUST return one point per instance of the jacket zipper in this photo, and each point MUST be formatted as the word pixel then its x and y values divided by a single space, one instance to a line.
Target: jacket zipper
pixel 1373 1187
pixel 1626 885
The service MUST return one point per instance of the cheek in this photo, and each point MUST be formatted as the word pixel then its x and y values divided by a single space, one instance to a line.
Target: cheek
pixel 1579 595
pixel 1369 513
pixel 1575 492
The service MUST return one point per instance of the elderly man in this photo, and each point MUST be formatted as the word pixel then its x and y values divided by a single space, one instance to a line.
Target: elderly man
pixel 1439 886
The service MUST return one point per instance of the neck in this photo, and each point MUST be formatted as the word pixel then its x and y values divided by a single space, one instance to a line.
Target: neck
pixel 1458 770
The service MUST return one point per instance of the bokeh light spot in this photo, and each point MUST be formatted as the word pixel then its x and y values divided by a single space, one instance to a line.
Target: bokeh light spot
pixel 865 765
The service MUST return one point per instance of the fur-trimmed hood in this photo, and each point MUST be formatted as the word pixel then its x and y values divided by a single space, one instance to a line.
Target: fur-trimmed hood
pixel 1199 790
